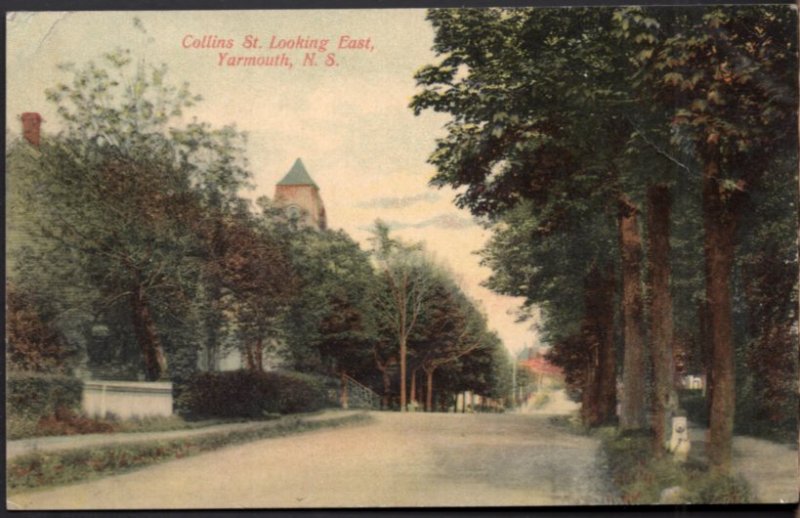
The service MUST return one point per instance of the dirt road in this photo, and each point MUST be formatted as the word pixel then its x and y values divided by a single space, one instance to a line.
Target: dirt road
pixel 396 460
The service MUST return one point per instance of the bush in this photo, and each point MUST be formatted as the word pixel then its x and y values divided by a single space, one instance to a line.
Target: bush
pixel 640 478
pixel 719 489
pixel 33 396
pixel 250 394
pixel 298 393
pixel 750 418
pixel 695 405
pixel 70 423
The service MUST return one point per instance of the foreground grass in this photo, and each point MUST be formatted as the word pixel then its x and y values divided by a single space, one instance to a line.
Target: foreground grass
pixel 45 469
pixel 27 428
pixel 640 478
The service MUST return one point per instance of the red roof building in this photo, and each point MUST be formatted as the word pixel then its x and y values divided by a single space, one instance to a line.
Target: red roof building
pixel 539 365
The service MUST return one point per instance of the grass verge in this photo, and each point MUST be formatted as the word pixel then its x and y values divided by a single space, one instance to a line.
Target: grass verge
pixel 44 469
pixel 640 478
pixel 77 424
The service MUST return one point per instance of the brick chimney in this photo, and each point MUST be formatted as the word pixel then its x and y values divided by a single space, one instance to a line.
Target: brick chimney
pixel 31 122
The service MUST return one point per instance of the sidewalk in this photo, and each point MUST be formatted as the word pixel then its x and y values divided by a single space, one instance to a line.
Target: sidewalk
pixel 771 468
pixel 68 442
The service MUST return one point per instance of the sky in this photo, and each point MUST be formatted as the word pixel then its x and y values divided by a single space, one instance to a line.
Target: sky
pixel 346 116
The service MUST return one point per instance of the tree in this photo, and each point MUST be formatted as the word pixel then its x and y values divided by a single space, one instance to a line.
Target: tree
pixel 450 329
pixel 729 76
pixel 33 342
pixel 661 324
pixel 530 93
pixel 408 277
pixel 562 111
pixel 119 191
pixel 255 269
pixel 331 328
pixel 578 309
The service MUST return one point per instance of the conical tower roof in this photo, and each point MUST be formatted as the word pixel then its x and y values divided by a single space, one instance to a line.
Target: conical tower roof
pixel 297 175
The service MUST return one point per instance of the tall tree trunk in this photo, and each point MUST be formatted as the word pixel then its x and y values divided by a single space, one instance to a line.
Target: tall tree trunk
pixel 155 363
pixel 720 226
pixel 607 393
pixel 412 394
pixel 215 315
pixel 704 337
pixel 387 387
pixel 661 325
pixel 589 393
pixel 403 350
pixel 259 355
pixel 212 324
pixel 633 416
pixel 429 392
pixel 598 401
pixel 250 362
pixel 387 381
pixel 253 355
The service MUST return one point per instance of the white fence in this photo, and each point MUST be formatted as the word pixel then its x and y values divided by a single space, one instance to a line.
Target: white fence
pixel 127 399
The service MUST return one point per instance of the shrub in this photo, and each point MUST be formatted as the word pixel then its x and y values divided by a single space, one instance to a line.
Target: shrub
pixel 71 423
pixel 250 394
pixel 18 427
pixel 750 417
pixel 641 478
pixel 222 394
pixel 719 489
pixel 33 396
pixel 298 392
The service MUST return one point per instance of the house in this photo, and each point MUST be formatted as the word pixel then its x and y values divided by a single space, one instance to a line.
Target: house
pixel 543 373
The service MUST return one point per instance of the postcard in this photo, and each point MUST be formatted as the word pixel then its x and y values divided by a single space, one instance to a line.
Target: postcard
pixel 345 258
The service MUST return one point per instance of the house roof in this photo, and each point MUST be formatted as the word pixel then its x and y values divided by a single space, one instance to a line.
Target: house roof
pixel 297 175
pixel 541 366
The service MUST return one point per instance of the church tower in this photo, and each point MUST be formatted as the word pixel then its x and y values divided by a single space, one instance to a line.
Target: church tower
pixel 299 197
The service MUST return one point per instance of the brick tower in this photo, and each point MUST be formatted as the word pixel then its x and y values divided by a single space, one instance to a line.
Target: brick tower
pixel 299 196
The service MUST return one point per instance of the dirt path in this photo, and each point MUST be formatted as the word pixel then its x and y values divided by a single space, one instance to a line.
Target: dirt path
pixel 770 468
pixel 398 460
pixel 557 404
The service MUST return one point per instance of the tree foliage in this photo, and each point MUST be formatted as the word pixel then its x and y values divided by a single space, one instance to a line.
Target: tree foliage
pixel 565 125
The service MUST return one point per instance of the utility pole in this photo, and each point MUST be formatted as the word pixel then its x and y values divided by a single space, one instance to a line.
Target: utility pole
pixel 514 382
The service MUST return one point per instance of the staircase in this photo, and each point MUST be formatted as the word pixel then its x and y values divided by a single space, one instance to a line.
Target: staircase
pixel 358 395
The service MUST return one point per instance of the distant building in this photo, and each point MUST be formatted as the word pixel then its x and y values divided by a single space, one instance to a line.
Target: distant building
pixel 299 197
pixel 542 371
pixel 694 382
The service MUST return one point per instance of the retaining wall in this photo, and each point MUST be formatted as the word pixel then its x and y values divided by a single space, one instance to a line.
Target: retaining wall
pixel 127 399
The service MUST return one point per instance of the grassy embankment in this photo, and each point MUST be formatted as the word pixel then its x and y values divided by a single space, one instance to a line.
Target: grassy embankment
pixel 44 469
pixel 640 478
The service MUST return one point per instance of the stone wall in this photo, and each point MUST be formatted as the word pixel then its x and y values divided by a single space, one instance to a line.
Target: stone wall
pixel 127 399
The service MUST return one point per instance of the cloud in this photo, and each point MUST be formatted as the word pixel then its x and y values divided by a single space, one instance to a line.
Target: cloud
pixel 398 202
pixel 445 221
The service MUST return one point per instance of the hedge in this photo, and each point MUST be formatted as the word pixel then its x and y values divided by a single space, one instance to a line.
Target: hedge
pixel 33 395
pixel 696 406
pixel 250 394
